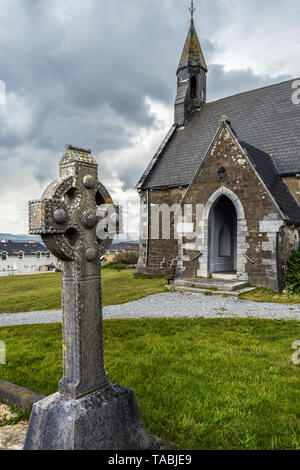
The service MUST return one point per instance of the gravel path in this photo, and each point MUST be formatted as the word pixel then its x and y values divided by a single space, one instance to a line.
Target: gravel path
pixel 12 437
pixel 172 305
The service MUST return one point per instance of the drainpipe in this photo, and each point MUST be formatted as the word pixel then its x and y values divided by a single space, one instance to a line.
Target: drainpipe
pixel 148 228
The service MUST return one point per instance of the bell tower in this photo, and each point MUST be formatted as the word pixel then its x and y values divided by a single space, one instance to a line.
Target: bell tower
pixel 191 76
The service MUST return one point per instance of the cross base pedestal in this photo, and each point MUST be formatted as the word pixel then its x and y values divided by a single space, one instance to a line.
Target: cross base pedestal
pixel 105 420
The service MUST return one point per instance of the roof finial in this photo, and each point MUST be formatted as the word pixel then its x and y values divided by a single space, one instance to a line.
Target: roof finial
pixel 192 9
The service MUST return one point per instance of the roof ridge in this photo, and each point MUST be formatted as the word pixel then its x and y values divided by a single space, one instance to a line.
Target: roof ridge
pixel 252 91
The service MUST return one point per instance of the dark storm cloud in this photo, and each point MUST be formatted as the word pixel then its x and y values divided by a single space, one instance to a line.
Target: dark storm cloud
pixel 79 71
pixel 222 83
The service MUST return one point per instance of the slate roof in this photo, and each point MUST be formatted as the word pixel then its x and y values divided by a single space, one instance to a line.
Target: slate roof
pixel 265 118
pixel 265 167
pixel 192 54
pixel 13 248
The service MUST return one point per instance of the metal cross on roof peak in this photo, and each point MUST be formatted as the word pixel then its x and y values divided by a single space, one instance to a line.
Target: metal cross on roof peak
pixel 192 9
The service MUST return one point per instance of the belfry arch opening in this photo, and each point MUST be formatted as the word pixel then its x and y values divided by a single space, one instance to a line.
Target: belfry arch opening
pixel 193 87
pixel 223 236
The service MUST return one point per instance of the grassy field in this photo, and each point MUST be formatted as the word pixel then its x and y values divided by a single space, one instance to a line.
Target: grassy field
pixel 43 291
pixel 268 295
pixel 203 384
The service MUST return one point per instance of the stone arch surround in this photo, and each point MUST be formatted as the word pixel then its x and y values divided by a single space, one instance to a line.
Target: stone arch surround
pixel 242 233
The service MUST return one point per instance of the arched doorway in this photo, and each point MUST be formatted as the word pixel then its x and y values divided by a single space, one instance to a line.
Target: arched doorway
pixel 223 236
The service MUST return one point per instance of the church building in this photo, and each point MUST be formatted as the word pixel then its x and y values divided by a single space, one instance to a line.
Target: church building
pixel 231 170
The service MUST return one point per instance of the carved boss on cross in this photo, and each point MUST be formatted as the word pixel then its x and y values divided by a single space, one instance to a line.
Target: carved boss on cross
pixel 66 216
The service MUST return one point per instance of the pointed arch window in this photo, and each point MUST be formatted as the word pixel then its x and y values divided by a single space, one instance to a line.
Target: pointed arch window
pixel 224 241
pixel 193 87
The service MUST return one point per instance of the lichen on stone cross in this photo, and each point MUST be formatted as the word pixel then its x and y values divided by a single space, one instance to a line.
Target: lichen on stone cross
pixel 68 217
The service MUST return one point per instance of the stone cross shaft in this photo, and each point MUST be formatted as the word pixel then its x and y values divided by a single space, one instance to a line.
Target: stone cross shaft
pixel 66 218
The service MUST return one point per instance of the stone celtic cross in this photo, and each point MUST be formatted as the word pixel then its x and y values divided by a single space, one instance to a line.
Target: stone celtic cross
pixel 76 219
pixel 66 218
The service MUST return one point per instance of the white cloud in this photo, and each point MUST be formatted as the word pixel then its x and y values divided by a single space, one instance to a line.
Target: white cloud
pixel 18 186
pixel 261 35
pixel 14 202
pixel 141 146
pixel 139 152
pixel 15 117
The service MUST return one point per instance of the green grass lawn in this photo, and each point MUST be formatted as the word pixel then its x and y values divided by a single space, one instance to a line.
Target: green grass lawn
pixel 268 295
pixel 43 291
pixel 203 384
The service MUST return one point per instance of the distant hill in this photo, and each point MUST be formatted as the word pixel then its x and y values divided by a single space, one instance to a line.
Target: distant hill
pixel 134 238
pixel 20 238
pixel 25 238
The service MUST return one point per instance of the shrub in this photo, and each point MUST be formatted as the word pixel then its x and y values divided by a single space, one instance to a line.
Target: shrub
pixel 128 257
pixel 292 279
pixel 118 266
pixel 107 265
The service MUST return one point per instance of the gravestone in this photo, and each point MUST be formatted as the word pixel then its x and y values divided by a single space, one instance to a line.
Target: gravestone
pixel 88 413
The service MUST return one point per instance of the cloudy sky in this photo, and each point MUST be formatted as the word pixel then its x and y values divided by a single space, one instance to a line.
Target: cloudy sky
pixel 101 74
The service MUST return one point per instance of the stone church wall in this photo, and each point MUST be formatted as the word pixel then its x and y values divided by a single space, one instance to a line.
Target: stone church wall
pixel 264 242
pixel 257 242
pixel 293 183
pixel 262 220
pixel 162 253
